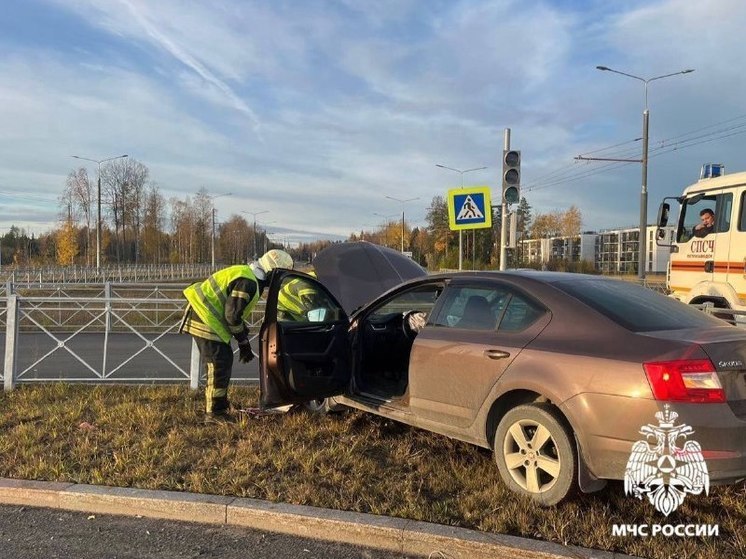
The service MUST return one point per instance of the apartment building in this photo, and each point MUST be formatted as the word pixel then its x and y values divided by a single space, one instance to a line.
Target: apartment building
pixel 612 251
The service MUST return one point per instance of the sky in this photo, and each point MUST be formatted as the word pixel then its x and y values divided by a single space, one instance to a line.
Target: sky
pixel 314 112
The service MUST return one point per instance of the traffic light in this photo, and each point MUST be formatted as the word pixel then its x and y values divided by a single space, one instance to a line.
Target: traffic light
pixel 511 176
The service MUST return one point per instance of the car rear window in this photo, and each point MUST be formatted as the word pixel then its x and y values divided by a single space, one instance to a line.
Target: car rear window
pixel 637 308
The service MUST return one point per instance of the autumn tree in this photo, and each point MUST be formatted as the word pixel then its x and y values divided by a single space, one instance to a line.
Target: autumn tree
pixel 67 244
pixel 80 193
pixel 441 236
pixel 570 227
pixel 547 225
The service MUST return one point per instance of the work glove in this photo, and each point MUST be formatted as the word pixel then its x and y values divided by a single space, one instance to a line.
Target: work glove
pixel 244 352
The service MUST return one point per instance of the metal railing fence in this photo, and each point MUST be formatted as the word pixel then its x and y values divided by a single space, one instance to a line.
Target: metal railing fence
pixel 117 333
pixel 111 332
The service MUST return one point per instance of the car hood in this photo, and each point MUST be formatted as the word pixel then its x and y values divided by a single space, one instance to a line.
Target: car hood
pixel 358 272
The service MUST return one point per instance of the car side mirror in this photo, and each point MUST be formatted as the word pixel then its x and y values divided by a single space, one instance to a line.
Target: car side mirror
pixel 316 315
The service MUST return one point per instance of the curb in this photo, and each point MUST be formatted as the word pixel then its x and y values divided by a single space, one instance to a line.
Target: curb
pixel 381 532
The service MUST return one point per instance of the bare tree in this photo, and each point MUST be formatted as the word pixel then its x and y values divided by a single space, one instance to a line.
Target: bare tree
pixel 183 230
pixel 235 235
pixel 154 217
pixel 203 205
pixel 123 182
pixel 79 191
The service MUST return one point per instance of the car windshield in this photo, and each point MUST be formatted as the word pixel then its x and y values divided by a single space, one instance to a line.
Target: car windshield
pixel 636 308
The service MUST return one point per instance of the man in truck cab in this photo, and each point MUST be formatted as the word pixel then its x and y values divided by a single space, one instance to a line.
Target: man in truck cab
pixel 707 225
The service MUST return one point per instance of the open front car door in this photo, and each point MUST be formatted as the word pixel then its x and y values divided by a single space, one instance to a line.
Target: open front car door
pixel 303 342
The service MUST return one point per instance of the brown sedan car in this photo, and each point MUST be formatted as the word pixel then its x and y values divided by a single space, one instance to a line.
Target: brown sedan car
pixel 555 372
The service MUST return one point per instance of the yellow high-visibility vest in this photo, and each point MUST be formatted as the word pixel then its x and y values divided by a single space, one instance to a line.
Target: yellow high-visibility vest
pixel 208 299
pixel 295 296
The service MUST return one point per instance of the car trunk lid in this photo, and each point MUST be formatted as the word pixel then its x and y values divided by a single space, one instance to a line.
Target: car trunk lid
pixel 726 348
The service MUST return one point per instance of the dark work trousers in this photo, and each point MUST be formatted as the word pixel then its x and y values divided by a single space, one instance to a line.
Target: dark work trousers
pixel 218 360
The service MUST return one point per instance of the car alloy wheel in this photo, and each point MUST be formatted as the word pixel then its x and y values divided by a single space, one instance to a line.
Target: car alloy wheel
pixel 317 406
pixel 535 453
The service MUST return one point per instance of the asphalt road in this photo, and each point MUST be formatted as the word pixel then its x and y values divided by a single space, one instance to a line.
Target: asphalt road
pixel 36 362
pixel 39 533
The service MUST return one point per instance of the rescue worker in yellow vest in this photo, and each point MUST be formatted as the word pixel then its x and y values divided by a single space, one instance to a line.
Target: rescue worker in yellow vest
pixel 218 309
pixel 295 299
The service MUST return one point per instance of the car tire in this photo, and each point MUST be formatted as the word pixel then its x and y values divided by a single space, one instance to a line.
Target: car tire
pixel 547 474
pixel 323 406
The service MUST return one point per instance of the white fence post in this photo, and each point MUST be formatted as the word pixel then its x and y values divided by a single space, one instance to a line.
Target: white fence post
pixel 107 303
pixel 11 342
pixel 194 367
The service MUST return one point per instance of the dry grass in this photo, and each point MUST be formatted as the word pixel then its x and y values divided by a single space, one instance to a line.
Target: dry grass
pixel 153 438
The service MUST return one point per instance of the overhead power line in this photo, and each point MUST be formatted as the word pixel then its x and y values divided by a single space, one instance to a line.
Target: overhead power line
pixel 706 134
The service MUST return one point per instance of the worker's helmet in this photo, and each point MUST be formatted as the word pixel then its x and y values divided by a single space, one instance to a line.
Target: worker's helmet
pixel 276 258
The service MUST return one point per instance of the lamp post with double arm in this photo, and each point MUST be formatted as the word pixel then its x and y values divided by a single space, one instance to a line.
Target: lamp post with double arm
pixel 643 240
pixel 98 196
pixel 402 202
pixel 254 214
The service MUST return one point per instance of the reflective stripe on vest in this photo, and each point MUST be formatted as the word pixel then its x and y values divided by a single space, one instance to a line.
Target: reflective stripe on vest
pixel 208 298
pixel 296 295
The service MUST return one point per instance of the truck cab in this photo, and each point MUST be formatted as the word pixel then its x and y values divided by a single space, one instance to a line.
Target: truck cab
pixel 708 263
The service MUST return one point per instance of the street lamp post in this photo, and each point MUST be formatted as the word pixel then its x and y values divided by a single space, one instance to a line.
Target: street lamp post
pixel 460 231
pixel 643 235
pixel 212 242
pixel 98 196
pixel 402 202
pixel 254 214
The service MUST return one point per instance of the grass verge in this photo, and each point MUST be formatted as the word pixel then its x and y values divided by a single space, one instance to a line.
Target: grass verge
pixel 153 438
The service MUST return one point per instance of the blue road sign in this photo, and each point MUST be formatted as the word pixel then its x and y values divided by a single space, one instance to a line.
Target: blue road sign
pixel 469 208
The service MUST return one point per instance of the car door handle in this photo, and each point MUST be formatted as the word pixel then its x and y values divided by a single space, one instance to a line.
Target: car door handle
pixel 496 354
pixel 709 266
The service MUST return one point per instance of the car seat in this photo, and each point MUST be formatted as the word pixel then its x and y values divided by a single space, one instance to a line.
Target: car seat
pixel 477 314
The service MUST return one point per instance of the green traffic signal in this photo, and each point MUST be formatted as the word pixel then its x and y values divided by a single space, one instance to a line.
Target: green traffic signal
pixel 511 194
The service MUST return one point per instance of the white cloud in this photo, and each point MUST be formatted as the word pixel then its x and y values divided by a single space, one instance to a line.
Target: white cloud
pixel 356 101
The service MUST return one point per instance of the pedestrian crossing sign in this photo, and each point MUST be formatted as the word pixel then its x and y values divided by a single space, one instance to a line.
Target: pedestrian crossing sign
pixel 469 208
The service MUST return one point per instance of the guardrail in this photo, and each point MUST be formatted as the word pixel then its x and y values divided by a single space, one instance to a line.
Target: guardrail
pixel 734 317
pixel 117 333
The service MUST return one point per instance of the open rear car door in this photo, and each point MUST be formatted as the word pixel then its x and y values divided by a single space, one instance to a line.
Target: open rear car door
pixel 304 348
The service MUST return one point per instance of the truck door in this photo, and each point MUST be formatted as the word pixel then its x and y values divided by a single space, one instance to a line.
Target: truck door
pixel 737 255
pixel 724 241
pixel 703 258
pixel 693 264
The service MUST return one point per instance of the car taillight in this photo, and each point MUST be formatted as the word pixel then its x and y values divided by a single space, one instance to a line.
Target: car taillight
pixel 686 380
